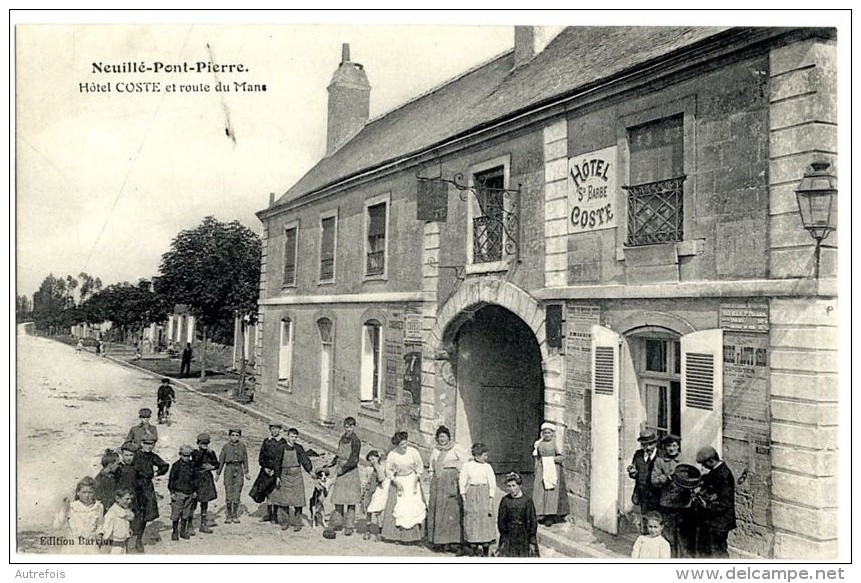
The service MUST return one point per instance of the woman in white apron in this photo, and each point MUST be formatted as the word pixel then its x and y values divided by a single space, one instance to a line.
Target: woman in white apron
pixel 478 489
pixel 405 511
pixel 549 492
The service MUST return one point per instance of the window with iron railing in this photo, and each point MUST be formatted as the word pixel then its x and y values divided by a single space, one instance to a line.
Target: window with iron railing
pixel 376 251
pixel 487 228
pixel 657 176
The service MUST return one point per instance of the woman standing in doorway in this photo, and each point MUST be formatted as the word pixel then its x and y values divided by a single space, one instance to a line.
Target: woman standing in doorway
pixel 405 510
pixel 549 492
pixel 444 507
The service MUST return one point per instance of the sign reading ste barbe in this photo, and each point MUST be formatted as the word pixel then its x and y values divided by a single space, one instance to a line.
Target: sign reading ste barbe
pixel 592 191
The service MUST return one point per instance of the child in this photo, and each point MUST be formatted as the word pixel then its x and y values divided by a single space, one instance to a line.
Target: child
pixel 321 490
pixel 83 517
pixel 206 460
pixel 164 399
pixel 105 483
pixel 234 462
pixel 478 490
pixel 517 521
pixel 80 346
pixel 652 545
pixel 116 527
pixel 182 485
pixel 376 494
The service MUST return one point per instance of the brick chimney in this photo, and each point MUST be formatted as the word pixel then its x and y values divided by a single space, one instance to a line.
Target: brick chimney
pixel 529 41
pixel 349 102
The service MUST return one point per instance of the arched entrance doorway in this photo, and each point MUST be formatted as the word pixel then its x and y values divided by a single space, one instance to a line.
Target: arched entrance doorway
pixel 500 386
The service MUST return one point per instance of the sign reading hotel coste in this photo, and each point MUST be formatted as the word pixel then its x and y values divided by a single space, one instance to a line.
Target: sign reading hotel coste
pixel 592 191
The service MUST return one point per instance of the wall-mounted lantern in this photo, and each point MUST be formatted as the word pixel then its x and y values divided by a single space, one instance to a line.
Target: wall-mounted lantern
pixel 817 202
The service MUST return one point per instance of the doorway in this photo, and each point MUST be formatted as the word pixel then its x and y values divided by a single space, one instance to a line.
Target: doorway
pixel 500 387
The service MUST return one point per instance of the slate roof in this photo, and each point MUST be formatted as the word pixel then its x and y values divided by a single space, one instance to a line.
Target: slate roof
pixel 577 58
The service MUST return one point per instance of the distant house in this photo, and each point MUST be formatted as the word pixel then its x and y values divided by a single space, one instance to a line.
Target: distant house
pixel 597 229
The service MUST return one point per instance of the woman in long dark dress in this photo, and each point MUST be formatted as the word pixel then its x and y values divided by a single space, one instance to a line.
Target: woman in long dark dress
pixel 517 521
pixel 444 507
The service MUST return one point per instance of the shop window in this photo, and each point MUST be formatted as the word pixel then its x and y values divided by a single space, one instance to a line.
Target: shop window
pixel 291 236
pixel 285 353
pixel 657 176
pixel 328 227
pixel 375 264
pixel 371 366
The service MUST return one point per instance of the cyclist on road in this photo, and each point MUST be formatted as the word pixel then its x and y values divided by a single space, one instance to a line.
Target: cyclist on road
pixel 166 397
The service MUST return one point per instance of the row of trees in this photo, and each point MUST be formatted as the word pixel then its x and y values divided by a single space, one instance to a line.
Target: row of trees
pixel 214 269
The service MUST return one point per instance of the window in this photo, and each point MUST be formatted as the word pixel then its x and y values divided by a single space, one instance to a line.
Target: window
pixel 488 207
pixel 327 248
pixel 372 377
pixel 657 175
pixel 290 240
pixel 376 222
pixel 659 371
pixel 487 232
pixel 285 353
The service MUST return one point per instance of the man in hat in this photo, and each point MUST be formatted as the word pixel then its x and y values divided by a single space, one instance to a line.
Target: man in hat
pixel 270 459
pixel 185 363
pixel 205 460
pixel 182 484
pixel 144 429
pixel 164 399
pixel 147 465
pixel 716 506
pixel 646 495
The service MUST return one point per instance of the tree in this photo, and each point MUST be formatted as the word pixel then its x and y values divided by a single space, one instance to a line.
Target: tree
pixel 23 308
pixel 215 270
pixel 130 308
pixel 50 304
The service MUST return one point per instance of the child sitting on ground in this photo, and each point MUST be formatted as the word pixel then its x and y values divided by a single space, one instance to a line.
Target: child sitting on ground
pixel 652 545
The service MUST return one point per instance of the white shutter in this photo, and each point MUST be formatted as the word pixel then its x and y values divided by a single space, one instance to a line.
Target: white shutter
pixel 367 372
pixel 604 478
pixel 702 392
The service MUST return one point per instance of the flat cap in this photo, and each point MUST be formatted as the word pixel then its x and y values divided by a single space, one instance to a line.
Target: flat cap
pixel 276 424
pixel 232 431
pixel 707 453
pixel 130 446
pixel 145 412
pixel 148 439
pixel 185 450
pixel 203 438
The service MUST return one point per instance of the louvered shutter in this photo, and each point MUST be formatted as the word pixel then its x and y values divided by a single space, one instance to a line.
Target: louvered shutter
pixel 702 392
pixel 604 478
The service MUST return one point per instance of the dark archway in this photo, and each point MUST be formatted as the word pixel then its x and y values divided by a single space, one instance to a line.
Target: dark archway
pixel 500 387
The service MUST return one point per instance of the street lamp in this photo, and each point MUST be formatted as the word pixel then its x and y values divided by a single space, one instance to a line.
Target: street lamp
pixel 817 201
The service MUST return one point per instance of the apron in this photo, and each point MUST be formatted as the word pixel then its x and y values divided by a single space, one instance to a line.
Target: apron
pixel 292 489
pixel 347 488
pixel 233 481
pixel 478 523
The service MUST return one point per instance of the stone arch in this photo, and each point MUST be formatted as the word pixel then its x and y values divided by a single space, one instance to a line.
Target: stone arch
pixel 646 319
pixel 470 296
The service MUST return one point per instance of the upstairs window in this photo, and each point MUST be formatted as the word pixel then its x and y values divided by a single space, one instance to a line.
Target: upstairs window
pixel 657 175
pixel 290 240
pixel 487 233
pixel 327 248
pixel 376 249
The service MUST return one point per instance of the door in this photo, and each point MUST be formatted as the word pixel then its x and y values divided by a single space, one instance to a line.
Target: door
pixel 502 422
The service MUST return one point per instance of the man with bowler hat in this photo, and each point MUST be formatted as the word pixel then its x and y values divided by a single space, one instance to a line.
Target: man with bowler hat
pixel 715 505
pixel 646 495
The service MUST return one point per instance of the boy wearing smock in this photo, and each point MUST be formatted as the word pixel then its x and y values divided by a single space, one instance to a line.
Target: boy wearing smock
pixel 182 485
pixel 233 462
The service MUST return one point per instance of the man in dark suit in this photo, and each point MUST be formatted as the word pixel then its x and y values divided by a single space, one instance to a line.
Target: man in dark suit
pixel 646 495
pixel 716 506
pixel 185 363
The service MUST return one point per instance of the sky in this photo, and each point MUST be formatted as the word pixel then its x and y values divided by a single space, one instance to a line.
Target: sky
pixel 105 180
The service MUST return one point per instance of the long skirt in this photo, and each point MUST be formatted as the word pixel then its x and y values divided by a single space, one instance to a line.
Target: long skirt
pixel 444 509
pixel 391 531
pixel 234 479
pixel 292 489
pixel 550 502
pixel 478 523
pixel 147 503
pixel 206 487
pixel 347 489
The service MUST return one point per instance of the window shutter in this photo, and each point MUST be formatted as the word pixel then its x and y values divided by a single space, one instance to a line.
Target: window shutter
pixel 367 389
pixel 604 478
pixel 290 256
pixel 702 391
pixel 377 220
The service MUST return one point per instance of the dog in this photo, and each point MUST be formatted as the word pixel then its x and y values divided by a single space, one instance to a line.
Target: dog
pixel 321 490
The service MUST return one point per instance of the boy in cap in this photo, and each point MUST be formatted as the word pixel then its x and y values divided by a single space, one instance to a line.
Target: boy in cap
pixel 205 460
pixel 646 495
pixel 147 465
pixel 182 485
pixel 270 459
pixel 716 507
pixel 165 398
pixel 144 429
pixel 234 463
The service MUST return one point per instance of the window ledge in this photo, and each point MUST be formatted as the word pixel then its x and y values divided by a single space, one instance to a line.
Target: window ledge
pixel 326 282
pixel 288 285
pixel 372 409
pixel 284 388
pixel 685 248
pixel 490 267
pixel 382 277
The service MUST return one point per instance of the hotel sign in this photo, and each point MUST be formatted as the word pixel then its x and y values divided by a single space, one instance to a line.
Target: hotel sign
pixel 592 191
pixel 744 317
